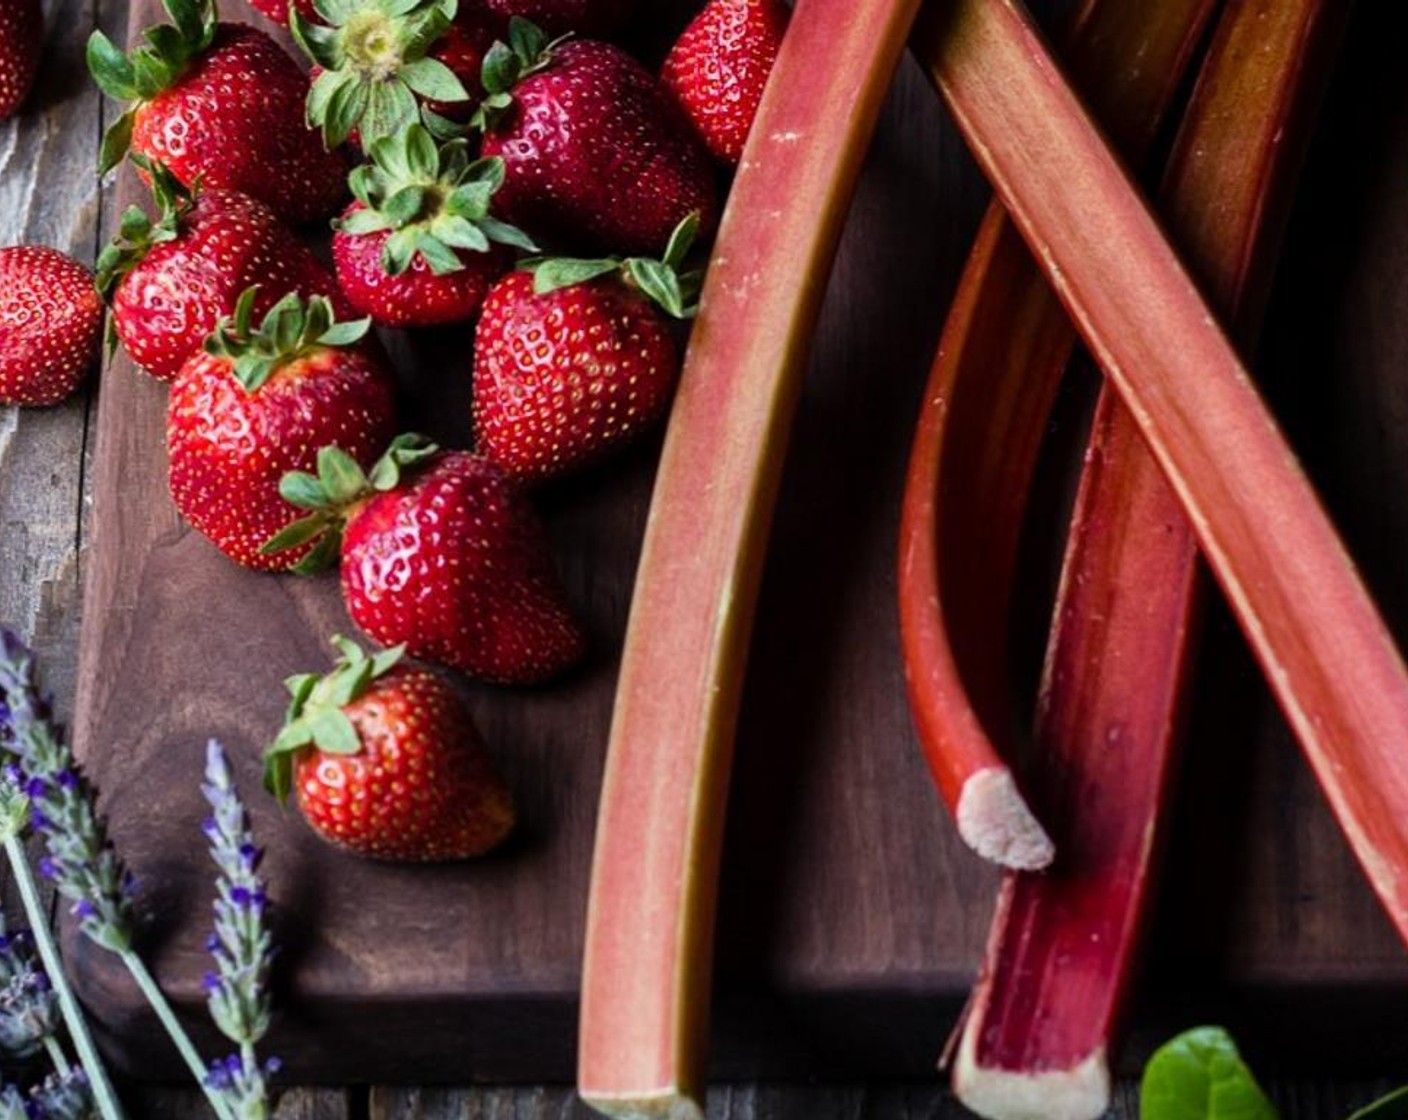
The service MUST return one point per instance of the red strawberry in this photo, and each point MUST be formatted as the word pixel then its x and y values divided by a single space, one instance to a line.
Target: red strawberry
pixel 222 103
pixel 260 403
pixel 277 10
pixel 21 39
pixel 574 360
pixel 50 320
pixel 595 153
pixel 385 761
pixel 596 19
pixel 432 261
pixel 719 67
pixel 378 61
pixel 170 281
pixel 453 561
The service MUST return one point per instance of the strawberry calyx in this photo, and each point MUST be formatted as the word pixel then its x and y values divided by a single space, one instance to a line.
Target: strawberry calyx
pixel 317 716
pixel 137 232
pixel 673 291
pixel 527 51
pixel 433 199
pixel 375 62
pixel 335 493
pixel 138 75
pixel 292 329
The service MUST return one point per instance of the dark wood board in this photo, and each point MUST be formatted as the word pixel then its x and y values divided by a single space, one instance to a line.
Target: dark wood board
pixel 853 919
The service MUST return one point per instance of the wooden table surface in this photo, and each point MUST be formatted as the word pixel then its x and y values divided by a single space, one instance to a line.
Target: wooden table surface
pixel 49 195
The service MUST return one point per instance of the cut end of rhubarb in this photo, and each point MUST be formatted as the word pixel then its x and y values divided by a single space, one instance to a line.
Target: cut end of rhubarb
pixel 662 1104
pixel 1080 1092
pixel 995 822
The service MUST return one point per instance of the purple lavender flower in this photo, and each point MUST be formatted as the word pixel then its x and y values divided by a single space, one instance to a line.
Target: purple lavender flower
pixel 29 1011
pixel 241 945
pixel 81 861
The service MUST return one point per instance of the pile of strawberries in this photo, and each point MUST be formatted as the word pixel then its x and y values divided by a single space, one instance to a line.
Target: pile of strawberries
pixel 498 163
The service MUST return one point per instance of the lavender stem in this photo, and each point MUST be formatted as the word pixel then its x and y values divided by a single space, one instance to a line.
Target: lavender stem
pixel 103 1093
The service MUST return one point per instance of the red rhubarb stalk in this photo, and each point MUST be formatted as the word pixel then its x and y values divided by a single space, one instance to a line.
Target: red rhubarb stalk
pixel 1005 345
pixel 645 993
pixel 1273 550
pixel 1035 1039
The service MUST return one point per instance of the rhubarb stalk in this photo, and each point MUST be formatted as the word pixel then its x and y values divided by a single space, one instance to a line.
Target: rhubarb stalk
pixel 1035 1039
pixel 1005 344
pixel 1271 546
pixel 646 976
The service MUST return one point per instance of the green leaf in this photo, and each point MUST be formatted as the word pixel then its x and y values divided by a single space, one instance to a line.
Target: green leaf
pixel 431 78
pixel 320 95
pixel 362 222
pixel 440 257
pixel 343 479
pixel 397 253
pixel 681 240
pixel 333 732
pixel 441 128
pixel 299 686
pixel 1394 1106
pixel 659 282
pixel 116 141
pixel 324 554
pixel 297 533
pixel 301 489
pixel 346 106
pixel 387 659
pixel 404 206
pixel 110 68
pixel 563 272
pixel 346 334
pixel 500 69
pixel 1200 1076
pixel 506 234
pixel 526 40
pixel 278 775
pixel 460 234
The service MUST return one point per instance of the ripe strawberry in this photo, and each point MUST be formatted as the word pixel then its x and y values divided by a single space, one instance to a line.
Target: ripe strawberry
pixel 451 560
pixel 595 154
pixel 418 247
pixel 170 281
pixel 277 10
pixel 573 360
pixel 223 103
pixel 719 67
pixel 378 61
pixel 50 319
pixel 597 19
pixel 259 403
pixel 385 760
pixel 21 39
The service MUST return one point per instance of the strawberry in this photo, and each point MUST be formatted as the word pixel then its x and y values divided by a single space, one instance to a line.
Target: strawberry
pixel 377 61
pixel 595 154
pixel 21 39
pixel 592 18
pixel 573 360
pixel 259 403
pixel 441 552
pixel 277 10
pixel 171 280
pixel 50 320
pixel 718 68
pixel 385 760
pixel 223 103
pixel 418 247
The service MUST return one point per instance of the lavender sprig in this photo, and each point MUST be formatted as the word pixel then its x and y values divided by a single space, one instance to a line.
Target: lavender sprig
pixel 62 1096
pixel 80 860
pixel 241 945
pixel 12 1104
pixel 29 1010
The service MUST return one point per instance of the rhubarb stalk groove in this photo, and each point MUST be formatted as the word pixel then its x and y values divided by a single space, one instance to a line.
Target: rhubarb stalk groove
pixel 1273 550
pixel 648 959
pixel 1035 1040
pixel 1005 344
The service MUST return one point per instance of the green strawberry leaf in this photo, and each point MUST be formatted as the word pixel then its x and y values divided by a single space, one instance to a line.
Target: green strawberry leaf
pixel 550 275
pixel 296 533
pixel 660 282
pixel 324 554
pixel 1199 1075
pixel 306 491
pixel 431 78
pixel 341 476
pixel 110 68
pixel 116 140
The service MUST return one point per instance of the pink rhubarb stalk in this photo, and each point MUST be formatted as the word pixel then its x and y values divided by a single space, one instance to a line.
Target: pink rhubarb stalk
pixel 1273 550
pixel 645 994
pixel 1035 1040
pixel 1005 344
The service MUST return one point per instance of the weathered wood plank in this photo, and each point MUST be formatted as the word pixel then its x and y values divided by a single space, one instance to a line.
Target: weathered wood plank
pixel 297 1104
pixel 1297 1100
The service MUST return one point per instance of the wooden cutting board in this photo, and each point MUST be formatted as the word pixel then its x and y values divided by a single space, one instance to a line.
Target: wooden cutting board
pixel 853 920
